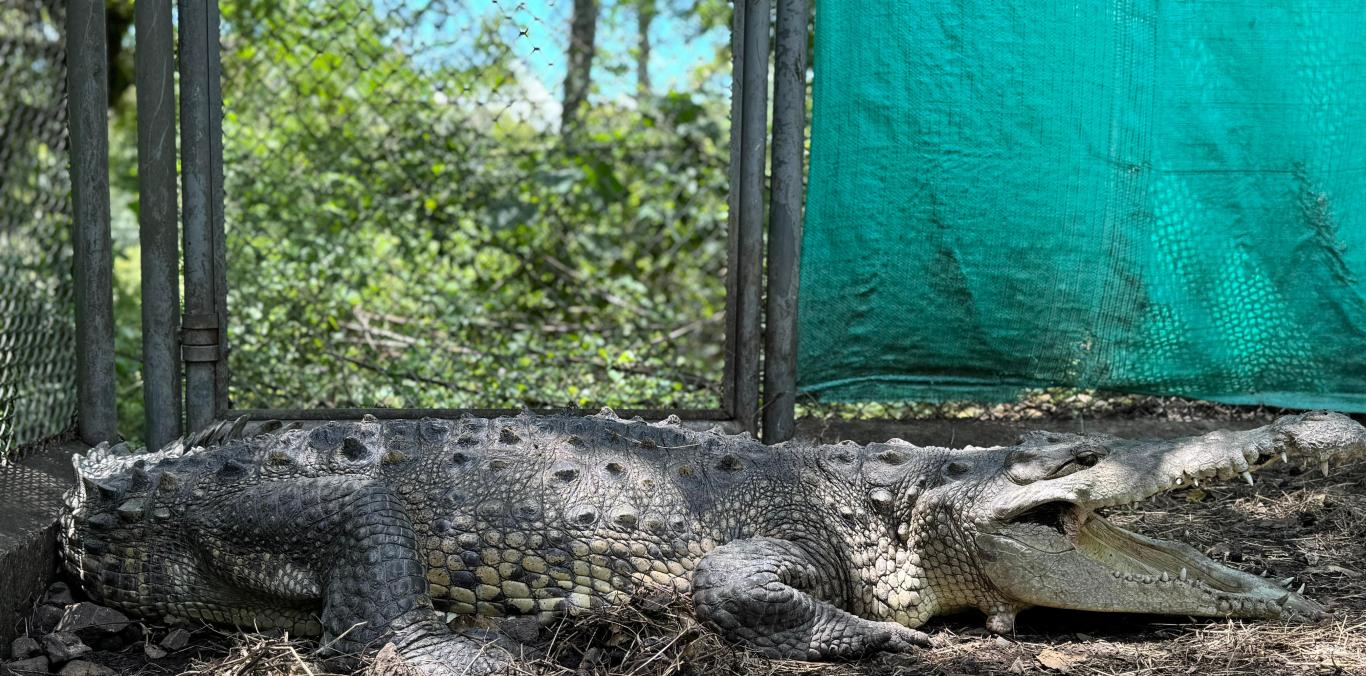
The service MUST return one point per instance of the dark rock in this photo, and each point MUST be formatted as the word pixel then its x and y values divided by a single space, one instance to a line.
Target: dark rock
pixel 46 618
pixel 62 646
pixel 83 668
pixel 59 595
pixel 176 639
pixel 113 643
pixel 32 665
pixel 153 652
pixel 92 622
pixel 25 647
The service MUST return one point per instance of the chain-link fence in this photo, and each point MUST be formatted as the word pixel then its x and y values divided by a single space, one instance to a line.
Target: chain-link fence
pixel 476 203
pixel 37 348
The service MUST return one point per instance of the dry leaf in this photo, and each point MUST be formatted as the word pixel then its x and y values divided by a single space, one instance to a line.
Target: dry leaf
pixel 1058 660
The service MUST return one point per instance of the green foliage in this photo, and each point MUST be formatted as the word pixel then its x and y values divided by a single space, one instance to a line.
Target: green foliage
pixel 405 230
pixel 408 232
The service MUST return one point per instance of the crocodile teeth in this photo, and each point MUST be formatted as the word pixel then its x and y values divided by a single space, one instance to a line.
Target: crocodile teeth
pixel 1324 467
pixel 1301 589
pixel 1286 582
pixel 1184 574
pixel 1196 482
pixel 1165 577
pixel 1285 457
pixel 1247 476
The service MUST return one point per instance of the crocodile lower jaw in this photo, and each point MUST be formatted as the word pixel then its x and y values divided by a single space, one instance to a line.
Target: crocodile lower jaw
pixel 1067 556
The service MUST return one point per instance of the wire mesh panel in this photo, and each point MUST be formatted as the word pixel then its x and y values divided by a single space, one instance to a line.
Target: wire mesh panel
pixel 1149 197
pixel 37 348
pixel 420 213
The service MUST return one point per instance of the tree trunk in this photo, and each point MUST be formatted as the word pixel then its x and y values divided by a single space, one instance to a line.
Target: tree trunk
pixel 118 21
pixel 583 28
pixel 645 15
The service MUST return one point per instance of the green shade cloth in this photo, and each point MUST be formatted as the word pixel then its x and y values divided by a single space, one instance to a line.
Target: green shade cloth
pixel 1165 197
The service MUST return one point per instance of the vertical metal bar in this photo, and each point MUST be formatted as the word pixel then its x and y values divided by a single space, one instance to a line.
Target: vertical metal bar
pixel 159 230
pixel 200 347
pixel 785 221
pixel 219 241
pixel 737 71
pixel 753 157
pixel 87 71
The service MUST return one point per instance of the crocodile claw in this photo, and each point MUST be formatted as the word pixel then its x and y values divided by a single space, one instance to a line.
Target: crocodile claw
pixel 904 640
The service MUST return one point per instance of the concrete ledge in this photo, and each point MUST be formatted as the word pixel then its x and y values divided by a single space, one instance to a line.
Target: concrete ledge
pixel 30 500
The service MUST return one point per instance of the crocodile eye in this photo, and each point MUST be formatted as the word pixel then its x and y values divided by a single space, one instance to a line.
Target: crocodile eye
pixel 1087 458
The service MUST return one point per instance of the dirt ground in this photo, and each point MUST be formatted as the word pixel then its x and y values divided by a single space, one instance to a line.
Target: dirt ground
pixel 1292 524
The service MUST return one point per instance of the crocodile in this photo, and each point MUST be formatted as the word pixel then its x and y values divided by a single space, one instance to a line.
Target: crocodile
pixel 371 533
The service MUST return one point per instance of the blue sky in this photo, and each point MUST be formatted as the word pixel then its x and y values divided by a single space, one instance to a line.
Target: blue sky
pixel 538 31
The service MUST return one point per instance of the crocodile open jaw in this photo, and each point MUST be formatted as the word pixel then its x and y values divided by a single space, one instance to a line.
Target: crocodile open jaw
pixel 1066 555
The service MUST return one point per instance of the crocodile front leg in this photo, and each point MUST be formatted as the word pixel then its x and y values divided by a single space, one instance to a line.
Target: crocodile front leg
pixel 754 592
pixel 357 540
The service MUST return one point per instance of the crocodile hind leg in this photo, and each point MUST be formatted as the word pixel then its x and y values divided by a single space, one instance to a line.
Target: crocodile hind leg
pixel 356 539
pixel 759 592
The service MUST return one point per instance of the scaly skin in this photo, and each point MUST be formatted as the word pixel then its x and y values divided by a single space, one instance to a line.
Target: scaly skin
pixel 362 532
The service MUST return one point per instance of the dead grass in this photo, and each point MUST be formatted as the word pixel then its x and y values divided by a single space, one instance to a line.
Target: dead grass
pixel 261 654
pixel 1290 525
pixel 1042 404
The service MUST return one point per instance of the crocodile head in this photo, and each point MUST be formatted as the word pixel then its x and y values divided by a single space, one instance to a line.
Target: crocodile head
pixel 1040 538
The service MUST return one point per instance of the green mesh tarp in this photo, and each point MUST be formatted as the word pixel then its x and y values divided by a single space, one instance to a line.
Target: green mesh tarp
pixel 1163 197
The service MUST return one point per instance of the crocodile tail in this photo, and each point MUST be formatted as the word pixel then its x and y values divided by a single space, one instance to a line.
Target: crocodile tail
pixel 92 490
pixel 112 473
pixel 225 430
pixel 107 477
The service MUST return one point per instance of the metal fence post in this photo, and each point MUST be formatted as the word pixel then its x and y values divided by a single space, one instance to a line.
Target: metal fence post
pixel 202 345
pixel 88 110
pixel 737 69
pixel 753 158
pixel 159 231
pixel 785 222
pixel 219 233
